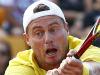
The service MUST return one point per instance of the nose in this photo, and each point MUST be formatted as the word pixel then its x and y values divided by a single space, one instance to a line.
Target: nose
pixel 48 38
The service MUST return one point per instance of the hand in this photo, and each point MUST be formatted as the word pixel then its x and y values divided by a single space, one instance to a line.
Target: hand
pixel 70 66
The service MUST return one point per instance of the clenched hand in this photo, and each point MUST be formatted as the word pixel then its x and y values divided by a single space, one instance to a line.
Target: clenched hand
pixel 69 66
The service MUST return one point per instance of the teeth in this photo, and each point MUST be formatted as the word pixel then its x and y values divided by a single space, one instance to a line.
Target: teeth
pixel 51 53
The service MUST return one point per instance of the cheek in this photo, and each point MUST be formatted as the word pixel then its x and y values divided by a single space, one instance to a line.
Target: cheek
pixel 34 43
pixel 62 38
pixel 37 46
pixel 62 43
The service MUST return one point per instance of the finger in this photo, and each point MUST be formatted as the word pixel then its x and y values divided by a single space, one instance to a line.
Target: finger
pixel 71 53
pixel 66 72
pixel 55 72
pixel 74 62
pixel 52 72
pixel 70 70
pixel 63 63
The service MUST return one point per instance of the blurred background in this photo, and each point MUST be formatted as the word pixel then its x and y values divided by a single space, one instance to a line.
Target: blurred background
pixel 80 14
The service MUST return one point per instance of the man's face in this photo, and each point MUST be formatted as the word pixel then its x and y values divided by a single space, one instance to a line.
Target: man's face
pixel 47 37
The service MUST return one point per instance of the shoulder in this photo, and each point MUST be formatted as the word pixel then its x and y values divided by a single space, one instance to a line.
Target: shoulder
pixel 21 64
pixel 91 54
pixel 22 57
pixel 25 55
pixel 73 42
pixel 19 70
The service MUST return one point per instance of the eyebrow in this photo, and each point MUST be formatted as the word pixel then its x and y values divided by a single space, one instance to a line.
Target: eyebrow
pixel 52 24
pixel 36 27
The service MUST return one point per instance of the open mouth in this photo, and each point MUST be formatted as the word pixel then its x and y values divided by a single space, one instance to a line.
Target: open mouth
pixel 51 52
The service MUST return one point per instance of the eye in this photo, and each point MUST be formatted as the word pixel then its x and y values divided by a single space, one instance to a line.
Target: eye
pixel 39 33
pixel 52 30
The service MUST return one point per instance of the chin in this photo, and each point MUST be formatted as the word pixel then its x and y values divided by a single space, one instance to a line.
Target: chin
pixel 52 62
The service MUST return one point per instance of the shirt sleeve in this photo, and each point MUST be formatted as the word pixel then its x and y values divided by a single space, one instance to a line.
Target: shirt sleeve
pixel 91 54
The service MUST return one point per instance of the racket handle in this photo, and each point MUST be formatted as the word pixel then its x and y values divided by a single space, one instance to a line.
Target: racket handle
pixel 86 45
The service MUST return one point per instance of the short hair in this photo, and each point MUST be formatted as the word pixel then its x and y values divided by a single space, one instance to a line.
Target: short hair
pixel 41 7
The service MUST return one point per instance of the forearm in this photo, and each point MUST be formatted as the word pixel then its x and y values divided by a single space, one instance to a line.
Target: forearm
pixel 94 68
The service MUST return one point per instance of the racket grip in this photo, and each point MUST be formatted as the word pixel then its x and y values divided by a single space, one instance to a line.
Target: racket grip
pixel 86 45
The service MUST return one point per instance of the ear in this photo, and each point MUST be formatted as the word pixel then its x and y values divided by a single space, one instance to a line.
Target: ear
pixel 66 27
pixel 26 37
